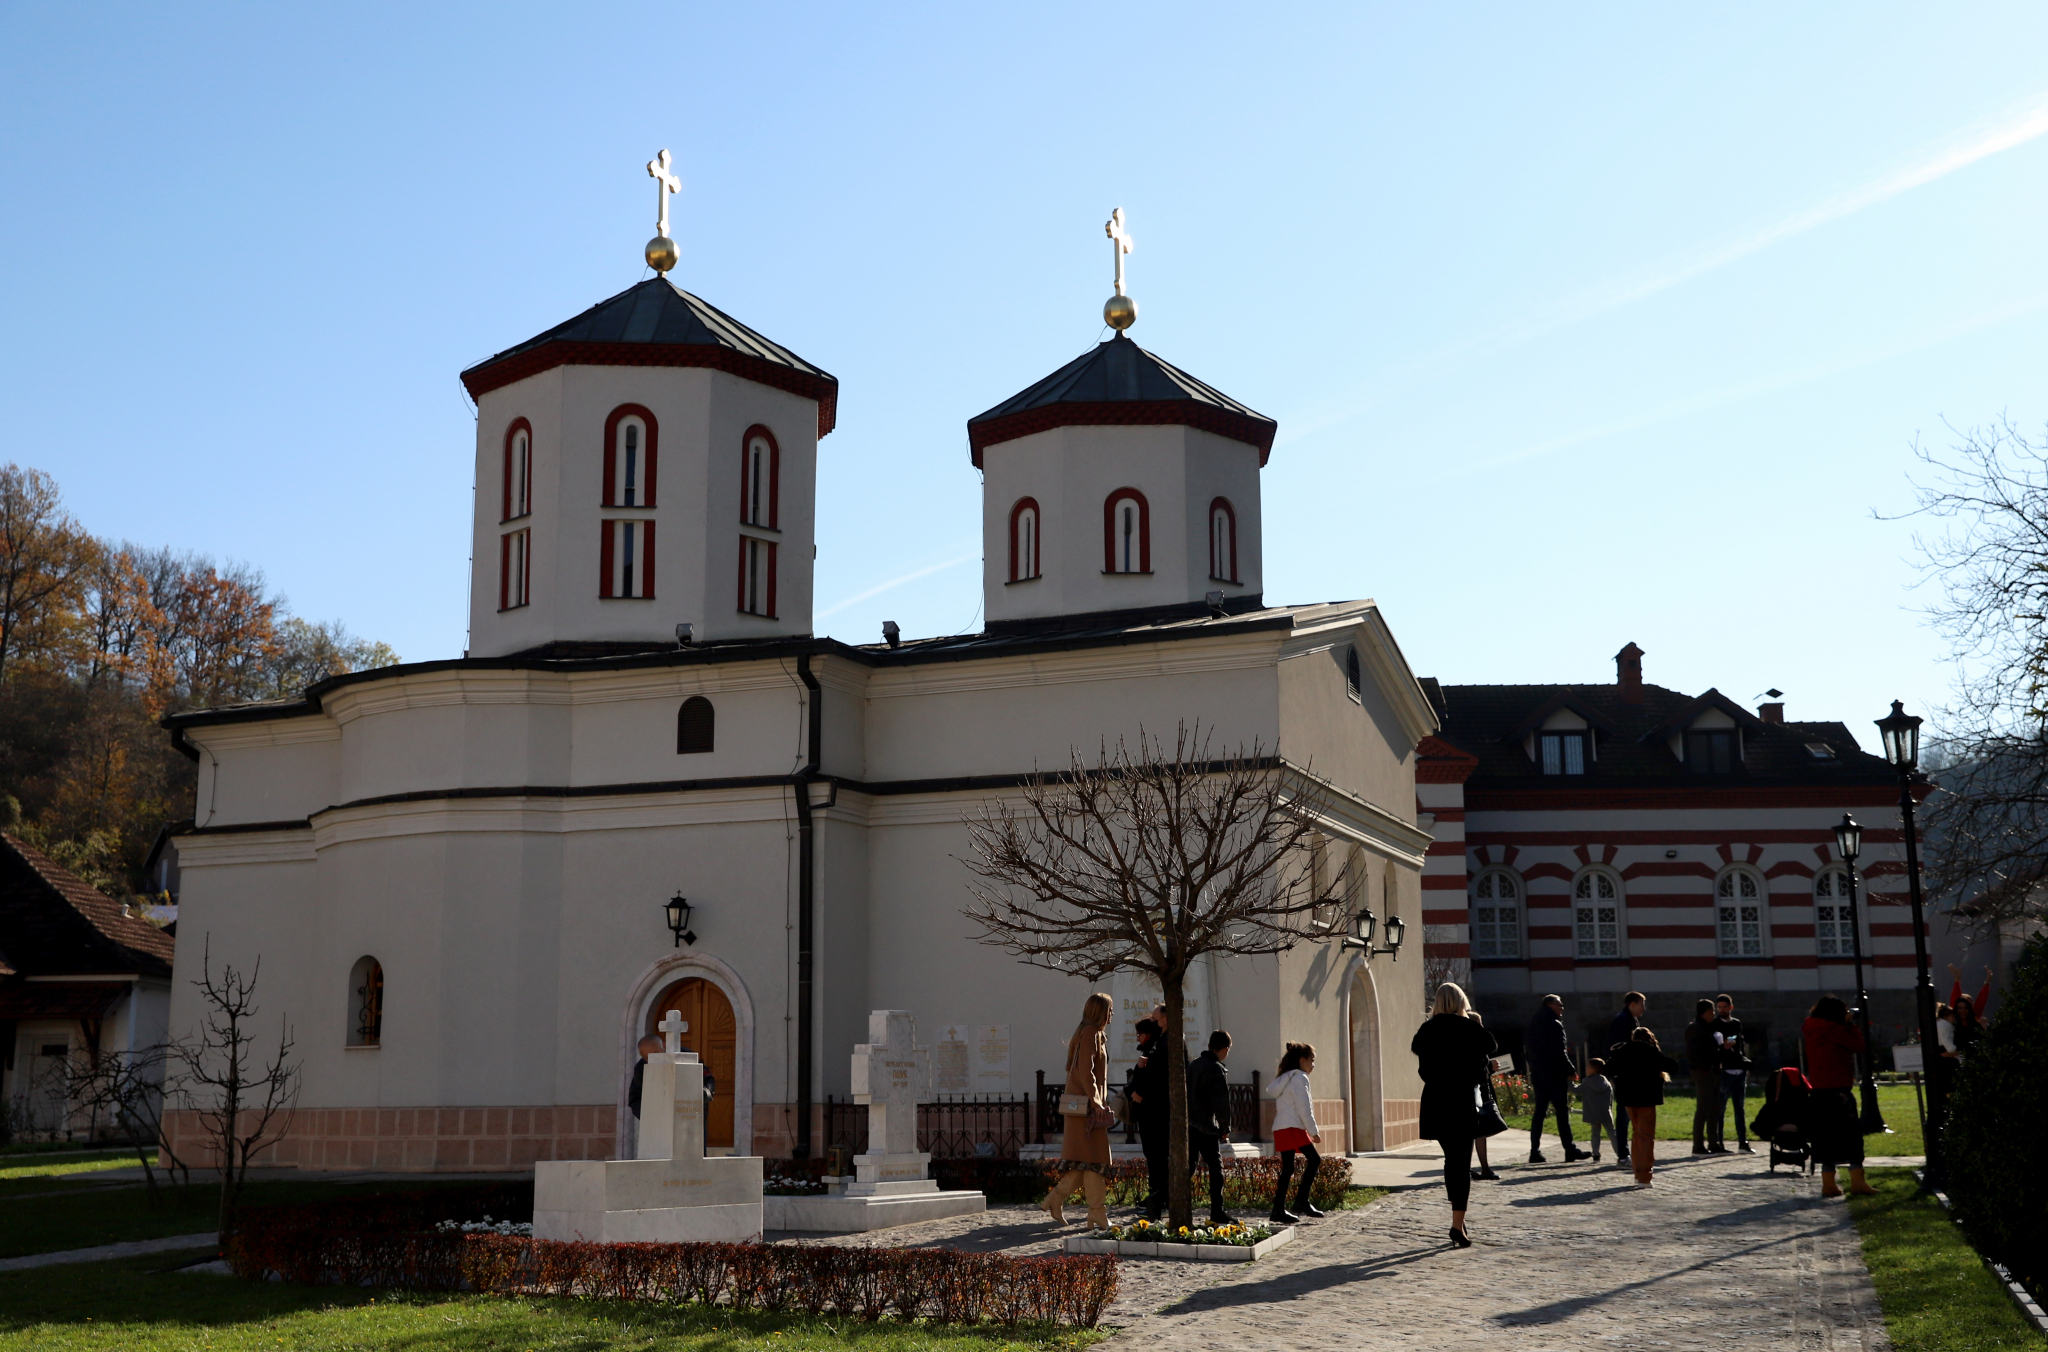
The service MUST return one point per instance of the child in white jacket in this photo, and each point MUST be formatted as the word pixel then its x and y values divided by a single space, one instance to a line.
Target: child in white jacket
pixel 1294 1130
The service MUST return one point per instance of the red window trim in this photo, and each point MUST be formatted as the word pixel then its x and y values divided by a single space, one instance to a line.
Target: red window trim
pixel 1109 529
pixel 1231 512
pixel 611 433
pixel 774 521
pixel 1037 521
pixel 505 503
pixel 504 570
pixel 604 555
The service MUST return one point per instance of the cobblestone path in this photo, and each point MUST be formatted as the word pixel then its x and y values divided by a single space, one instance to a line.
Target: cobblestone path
pixel 1718 1254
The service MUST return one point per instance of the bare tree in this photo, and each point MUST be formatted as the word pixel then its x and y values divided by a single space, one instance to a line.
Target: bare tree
pixel 1988 825
pixel 1149 859
pixel 128 1089
pixel 244 1104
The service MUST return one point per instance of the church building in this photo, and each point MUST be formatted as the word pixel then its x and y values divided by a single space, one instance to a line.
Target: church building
pixel 475 883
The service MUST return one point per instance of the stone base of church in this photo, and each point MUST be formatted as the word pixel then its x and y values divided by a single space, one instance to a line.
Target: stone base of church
pixel 634 1201
pixel 420 1140
pixel 858 1215
pixel 738 1223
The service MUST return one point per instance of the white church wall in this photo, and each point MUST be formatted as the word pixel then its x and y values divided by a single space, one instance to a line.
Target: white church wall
pixel 282 770
pixel 700 417
pixel 1070 472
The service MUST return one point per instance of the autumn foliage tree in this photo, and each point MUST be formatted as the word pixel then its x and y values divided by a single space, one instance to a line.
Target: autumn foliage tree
pixel 98 640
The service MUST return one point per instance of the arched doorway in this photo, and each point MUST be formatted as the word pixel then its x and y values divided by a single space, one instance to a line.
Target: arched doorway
pixel 1368 1131
pixel 714 1036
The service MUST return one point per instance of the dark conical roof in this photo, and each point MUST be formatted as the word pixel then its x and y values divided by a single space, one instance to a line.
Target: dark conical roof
pixel 1120 384
pixel 657 323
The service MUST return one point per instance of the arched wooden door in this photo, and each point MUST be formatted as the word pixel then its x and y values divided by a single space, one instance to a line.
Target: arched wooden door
pixel 714 1035
pixel 1367 1125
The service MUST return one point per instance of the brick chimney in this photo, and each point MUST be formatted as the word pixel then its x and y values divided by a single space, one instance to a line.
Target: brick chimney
pixel 1771 713
pixel 1628 674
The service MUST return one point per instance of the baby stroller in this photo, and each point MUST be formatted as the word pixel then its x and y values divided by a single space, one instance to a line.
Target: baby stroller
pixel 1778 1121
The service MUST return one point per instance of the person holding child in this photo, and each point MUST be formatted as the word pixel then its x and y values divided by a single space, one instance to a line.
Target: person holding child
pixel 1294 1131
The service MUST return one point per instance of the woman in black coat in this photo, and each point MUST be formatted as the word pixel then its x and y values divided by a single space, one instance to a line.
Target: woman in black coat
pixel 1452 1051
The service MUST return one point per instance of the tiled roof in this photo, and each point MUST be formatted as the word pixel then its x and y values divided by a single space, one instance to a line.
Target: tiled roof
pixel 1119 383
pixel 1487 720
pixel 54 923
pixel 657 323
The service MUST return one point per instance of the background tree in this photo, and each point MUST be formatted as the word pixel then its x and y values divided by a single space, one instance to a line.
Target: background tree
pixel 43 556
pixel 1152 857
pixel 1988 825
pixel 128 1089
pixel 244 1101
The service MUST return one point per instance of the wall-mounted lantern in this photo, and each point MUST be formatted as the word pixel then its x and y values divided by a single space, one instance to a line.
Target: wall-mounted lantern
pixel 1365 924
pixel 677 908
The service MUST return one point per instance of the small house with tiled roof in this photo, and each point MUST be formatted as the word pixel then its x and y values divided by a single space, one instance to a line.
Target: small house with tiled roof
pixel 79 975
pixel 1592 840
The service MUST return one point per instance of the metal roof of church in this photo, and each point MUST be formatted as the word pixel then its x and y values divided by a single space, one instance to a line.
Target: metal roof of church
pixel 1120 384
pixel 657 323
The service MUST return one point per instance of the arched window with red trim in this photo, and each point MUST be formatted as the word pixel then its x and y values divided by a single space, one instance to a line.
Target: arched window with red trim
pixel 760 479
pixel 1126 532
pixel 631 445
pixel 518 494
pixel 1024 540
pixel 1222 541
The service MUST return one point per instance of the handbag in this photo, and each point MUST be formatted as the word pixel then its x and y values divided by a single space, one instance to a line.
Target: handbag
pixel 1100 1119
pixel 1075 1105
pixel 1491 1123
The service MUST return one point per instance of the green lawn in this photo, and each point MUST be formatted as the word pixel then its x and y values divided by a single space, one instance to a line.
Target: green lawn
pixel 1936 1292
pixel 1674 1119
pixel 15 1173
pixel 136 1305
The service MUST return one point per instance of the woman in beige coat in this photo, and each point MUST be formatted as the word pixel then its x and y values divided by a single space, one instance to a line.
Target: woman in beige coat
pixel 1084 1149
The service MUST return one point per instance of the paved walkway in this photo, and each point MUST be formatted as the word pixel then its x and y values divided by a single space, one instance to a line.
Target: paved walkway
pixel 1719 1253
pixel 100 1253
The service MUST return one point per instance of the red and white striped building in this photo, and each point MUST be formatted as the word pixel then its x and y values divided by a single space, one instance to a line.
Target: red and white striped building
pixel 1591 840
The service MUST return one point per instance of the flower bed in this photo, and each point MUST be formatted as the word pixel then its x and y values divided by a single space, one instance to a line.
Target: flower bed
pixel 779 1183
pixel 1246 1236
pixel 388 1242
pixel 1247 1184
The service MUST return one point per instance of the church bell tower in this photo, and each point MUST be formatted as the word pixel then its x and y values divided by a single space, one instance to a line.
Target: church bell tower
pixel 1119 487
pixel 649 464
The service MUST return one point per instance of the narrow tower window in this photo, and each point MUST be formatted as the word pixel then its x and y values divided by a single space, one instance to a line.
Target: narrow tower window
pixel 518 492
pixel 515 569
pixel 1024 540
pixel 695 724
pixel 630 444
pixel 1127 533
pixel 760 478
pixel 757 576
pixel 626 560
pixel 1222 541
pixel 366 1003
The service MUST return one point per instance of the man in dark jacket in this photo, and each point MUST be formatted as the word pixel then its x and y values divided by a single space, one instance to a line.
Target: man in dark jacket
pixel 649 1045
pixel 1619 1030
pixel 1548 1050
pixel 1734 1068
pixel 1147 1091
pixel 1703 1059
pixel 1209 1119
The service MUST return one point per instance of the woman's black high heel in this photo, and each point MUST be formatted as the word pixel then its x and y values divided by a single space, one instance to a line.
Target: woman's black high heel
pixel 1460 1240
pixel 1311 1209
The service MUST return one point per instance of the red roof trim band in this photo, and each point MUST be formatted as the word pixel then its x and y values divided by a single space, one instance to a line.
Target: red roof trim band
pixel 1132 413
pixel 481 380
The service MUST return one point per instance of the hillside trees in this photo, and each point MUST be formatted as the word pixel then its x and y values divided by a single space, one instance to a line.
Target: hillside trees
pixel 98 640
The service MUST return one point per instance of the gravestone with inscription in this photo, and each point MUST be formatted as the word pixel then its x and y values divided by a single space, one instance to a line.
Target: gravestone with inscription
pixel 891 1183
pixel 672 1192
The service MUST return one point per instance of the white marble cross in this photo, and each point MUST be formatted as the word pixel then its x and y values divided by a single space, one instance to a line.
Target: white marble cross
pixel 892 1075
pixel 1121 243
pixel 672 1030
pixel 666 183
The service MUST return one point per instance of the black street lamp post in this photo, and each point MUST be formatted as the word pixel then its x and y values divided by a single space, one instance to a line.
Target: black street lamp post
pixel 1849 841
pixel 1901 732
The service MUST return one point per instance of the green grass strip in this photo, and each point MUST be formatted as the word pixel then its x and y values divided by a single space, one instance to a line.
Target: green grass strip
pixel 1936 1292
pixel 133 1306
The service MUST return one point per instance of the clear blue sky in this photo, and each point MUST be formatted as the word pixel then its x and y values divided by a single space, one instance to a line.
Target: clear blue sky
pixel 1581 326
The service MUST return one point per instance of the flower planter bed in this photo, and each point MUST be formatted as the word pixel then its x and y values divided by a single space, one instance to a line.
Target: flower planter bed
pixel 1184 1251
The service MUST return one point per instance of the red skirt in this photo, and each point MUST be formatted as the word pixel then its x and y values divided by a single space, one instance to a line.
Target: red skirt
pixel 1290 1138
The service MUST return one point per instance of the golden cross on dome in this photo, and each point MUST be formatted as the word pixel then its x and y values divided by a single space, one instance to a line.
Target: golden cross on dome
pixel 1121 311
pixel 661 250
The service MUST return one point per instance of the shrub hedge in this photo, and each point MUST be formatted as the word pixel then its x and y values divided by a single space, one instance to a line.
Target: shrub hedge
pixel 388 1242
pixel 2001 1086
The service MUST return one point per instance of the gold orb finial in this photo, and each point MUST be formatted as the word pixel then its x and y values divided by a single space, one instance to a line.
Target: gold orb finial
pixel 661 253
pixel 1120 312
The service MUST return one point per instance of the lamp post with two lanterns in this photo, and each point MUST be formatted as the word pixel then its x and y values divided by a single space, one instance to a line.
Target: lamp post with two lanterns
pixel 1365 923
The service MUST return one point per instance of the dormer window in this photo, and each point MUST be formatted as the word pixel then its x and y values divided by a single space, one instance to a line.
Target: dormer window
pixel 1561 753
pixel 629 457
pixel 1713 752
